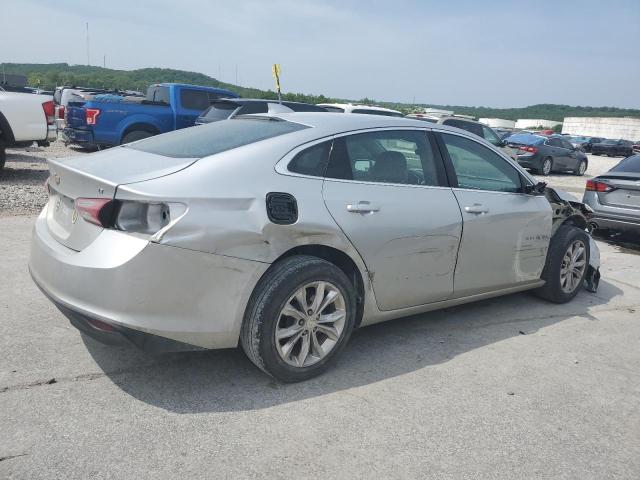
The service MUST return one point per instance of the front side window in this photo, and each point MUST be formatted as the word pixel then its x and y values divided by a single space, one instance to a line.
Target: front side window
pixel 396 156
pixel 194 99
pixel 472 127
pixel 480 168
pixel 567 145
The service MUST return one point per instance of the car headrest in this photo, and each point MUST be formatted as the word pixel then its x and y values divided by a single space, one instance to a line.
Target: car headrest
pixel 390 167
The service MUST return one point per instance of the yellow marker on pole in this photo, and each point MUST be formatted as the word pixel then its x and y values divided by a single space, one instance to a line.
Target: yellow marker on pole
pixel 276 74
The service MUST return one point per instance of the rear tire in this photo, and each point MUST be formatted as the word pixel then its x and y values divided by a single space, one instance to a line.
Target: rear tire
pixel 547 166
pixel 581 168
pixel 274 335
pixel 564 276
pixel 136 135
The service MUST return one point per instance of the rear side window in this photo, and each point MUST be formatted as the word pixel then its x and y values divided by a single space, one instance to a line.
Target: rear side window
pixel 312 161
pixel 213 138
pixel 158 94
pixel 468 126
pixel 629 164
pixel 219 111
pixel 554 142
pixel 194 99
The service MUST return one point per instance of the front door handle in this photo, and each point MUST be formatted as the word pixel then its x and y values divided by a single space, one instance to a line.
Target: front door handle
pixel 476 208
pixel 362 207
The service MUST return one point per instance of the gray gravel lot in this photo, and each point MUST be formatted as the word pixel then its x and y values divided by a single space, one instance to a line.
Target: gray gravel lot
pixel 507 388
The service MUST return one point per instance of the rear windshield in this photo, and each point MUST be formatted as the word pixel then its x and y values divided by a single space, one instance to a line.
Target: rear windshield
pixel 525 139
pixel 219 111
pixel 209 139
pixel 629 164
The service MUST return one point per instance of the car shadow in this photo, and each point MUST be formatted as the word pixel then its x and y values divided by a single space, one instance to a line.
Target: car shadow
pixel 225 380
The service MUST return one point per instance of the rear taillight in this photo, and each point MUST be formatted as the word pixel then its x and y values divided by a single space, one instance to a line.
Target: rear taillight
pixel 595 186
pixel 49 109
pixel 98 211
pixel 92 115
pixel 142 217
pixel 61 112
pixel 527 148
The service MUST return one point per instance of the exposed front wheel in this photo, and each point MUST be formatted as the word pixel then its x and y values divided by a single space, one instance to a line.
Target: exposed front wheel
pixel 3 157
pixel 299 318
pixel 566 265
pixel 582 167
pixel 547 165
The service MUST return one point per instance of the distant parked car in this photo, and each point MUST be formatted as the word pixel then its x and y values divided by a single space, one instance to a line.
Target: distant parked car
pixel 615 197
pixel 613 148
pixel 232 107
pixel 109 120
pixel 477 128
pixel 25 118
pixel 351 108
pixel 546 155
pixel 588 145
pixel 636 146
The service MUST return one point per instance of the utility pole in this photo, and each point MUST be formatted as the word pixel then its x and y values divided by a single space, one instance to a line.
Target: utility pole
pixel 236 74
pixel 88 58
pixel 104 61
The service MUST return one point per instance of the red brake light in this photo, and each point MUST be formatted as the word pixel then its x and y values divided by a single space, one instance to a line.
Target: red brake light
pixel 61 112
pixel 95 210
pixel 528 148
pixel 92 115
pixel 49 109
pixel 595 186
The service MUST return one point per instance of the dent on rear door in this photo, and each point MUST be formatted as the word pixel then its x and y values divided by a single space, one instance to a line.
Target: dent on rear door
pixel 409 243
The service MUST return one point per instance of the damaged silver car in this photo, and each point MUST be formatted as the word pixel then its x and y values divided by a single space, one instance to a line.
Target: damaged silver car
pixel 285 232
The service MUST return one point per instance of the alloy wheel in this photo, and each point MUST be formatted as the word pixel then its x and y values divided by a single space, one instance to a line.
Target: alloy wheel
pixel 546 167
pixel 582 168
pixel 310 324
pixel 573 266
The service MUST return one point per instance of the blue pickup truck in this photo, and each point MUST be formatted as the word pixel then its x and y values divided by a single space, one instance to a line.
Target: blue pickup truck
pixel 109 120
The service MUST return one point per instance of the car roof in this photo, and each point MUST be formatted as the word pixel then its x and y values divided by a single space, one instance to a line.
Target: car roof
pixel 357 106
pixel 328 123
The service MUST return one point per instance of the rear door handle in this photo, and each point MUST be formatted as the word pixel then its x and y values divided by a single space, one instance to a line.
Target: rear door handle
pixel 476 208
pixel 362 207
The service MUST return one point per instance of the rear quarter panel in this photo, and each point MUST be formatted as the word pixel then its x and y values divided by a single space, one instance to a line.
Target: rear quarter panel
pixel 24 114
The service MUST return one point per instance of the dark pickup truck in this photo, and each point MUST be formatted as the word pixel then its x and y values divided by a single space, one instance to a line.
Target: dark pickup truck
pixel 109 120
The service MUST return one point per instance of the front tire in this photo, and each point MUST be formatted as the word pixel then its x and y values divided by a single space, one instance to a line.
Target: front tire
pixel 581 168
pixel 3 157
pixel 547 166
pixel 566 265
pixel 299 318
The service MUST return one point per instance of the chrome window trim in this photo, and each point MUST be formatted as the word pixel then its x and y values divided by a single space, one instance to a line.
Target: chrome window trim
pixel 282 166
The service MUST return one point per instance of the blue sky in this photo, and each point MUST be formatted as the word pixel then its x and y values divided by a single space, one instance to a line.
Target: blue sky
pixel 492 53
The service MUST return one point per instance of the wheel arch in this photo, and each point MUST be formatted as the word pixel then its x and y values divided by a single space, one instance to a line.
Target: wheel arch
pixel 145 127
pixel 341 260
pixel 6 133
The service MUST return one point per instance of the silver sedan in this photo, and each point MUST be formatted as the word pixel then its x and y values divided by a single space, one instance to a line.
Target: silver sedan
pixel 283 233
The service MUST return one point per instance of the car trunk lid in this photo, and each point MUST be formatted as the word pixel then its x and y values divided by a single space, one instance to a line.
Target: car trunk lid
pixel 625 193
pixel 97 176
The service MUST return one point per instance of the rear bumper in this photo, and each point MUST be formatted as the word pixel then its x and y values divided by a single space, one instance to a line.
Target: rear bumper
pixel 133 285
pixel 79 136
pixel 532 161
pixel 52 132
pixel 615 222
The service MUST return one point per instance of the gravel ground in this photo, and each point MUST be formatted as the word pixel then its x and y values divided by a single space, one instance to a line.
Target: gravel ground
pixel 22 189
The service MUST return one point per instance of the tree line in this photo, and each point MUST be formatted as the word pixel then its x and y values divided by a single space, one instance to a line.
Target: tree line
pixel 48 76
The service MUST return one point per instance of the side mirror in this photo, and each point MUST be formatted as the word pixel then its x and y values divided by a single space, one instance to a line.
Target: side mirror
pixel 537 189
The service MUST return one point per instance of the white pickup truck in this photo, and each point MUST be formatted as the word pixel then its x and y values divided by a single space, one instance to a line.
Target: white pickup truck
pixel 25 118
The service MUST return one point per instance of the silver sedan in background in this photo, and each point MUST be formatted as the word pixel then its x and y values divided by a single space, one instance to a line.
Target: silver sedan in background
pixel 285 232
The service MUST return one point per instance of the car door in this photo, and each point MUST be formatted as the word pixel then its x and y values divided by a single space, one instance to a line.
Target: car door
pixel 505 231
pixel 387 191
pixel 571 159
pixel 559 154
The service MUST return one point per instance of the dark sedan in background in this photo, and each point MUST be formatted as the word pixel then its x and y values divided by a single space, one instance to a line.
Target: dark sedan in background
pixel 585 143
pixel 613 148
pixel 544 155
pixel 615 197
pixel 232 107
